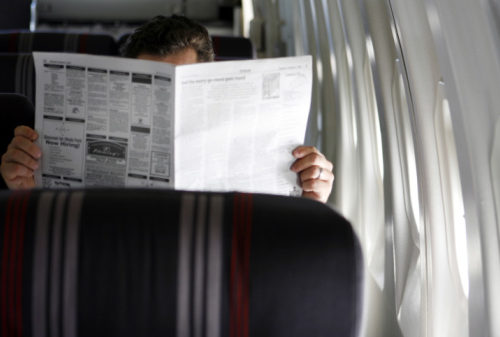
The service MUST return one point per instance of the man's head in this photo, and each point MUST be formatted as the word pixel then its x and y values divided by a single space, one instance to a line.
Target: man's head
pixel 175 39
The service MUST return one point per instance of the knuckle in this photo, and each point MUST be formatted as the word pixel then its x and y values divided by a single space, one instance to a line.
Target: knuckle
pixel 316 158
pixel 11 145
pixel 15 154
pixel 330 165
pixel 7 156
pixel 316 184
pixel 16 169
pixel 6 174
pixel 311 185
pixel 17 141
pixel 20 130
pixel 33 148
pixel 310 173
pixel 20 170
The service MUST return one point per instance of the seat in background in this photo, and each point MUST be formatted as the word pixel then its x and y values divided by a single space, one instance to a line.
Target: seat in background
pixel 129 262
pixel 18 74
pixel 233 48
pixel 225 47
pixel 25 42
pixel 15 14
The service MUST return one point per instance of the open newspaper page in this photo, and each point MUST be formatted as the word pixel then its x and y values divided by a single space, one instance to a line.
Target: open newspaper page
pixel 238 122
pixel 104 121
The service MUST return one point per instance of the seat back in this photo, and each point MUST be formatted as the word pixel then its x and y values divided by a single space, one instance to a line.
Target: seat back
pixel 225 47
pixel 15 14
pixel 26 42
pixel 18 74
pixel 233 48
pixel 128 262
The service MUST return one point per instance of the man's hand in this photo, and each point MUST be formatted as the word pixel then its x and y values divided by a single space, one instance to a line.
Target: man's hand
pixel 21 159
pixel 315 173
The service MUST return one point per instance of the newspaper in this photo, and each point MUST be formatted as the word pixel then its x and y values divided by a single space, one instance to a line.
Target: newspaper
pixel 220 126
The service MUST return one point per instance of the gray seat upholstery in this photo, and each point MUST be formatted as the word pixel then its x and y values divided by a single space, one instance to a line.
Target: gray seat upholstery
pixel 15 14
pixel 128 262
pixel 18 74
pixel 26 42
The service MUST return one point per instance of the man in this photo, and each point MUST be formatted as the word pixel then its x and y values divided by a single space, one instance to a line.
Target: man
pixel 175 40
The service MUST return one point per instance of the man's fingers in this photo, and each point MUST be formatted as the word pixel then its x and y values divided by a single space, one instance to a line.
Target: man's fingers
pixel 12 171
pixel 315 185
pixel 302 151
pixel 311 195
pixel 316 189
pixel 316 172
pixel 26 131
pixel 20 160
pixel 20 157
pixel 25 145
pixel 312 159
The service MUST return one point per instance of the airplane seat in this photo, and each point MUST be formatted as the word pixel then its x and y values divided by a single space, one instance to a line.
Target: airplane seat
pixel 15 110
pixel 25 42
pixel 18 74
pixel 135 262
pixel 15 14
pixel 225 47
pixel 121 41
pixel 233 48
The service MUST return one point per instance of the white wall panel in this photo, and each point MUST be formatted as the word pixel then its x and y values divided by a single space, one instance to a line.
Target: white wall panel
pixel 406 95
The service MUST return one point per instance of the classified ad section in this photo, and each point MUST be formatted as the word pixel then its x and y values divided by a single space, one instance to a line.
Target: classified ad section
pixel 104 121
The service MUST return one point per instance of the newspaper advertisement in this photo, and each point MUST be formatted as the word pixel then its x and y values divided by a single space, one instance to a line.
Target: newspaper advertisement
pixel 220 126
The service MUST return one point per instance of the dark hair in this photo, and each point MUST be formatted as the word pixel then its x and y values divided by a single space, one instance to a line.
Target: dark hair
pixel 164 36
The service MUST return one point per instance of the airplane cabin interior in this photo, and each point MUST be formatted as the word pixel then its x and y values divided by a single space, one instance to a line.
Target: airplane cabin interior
pixel 404 102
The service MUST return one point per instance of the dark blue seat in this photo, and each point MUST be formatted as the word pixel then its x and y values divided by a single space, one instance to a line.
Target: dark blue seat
pixel 233 48
pixel 18 74
pixel 26 42
pixel 15 14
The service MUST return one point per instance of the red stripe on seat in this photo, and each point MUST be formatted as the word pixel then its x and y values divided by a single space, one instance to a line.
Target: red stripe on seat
pixel 233 304
pixel 13 46
pixel 82 43
pixel 246 265
pixel 19 283
pixel 240 266
pixel 241 262
pixel 5 255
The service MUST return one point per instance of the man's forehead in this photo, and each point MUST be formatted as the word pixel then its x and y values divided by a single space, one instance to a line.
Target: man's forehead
pixel 183 56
